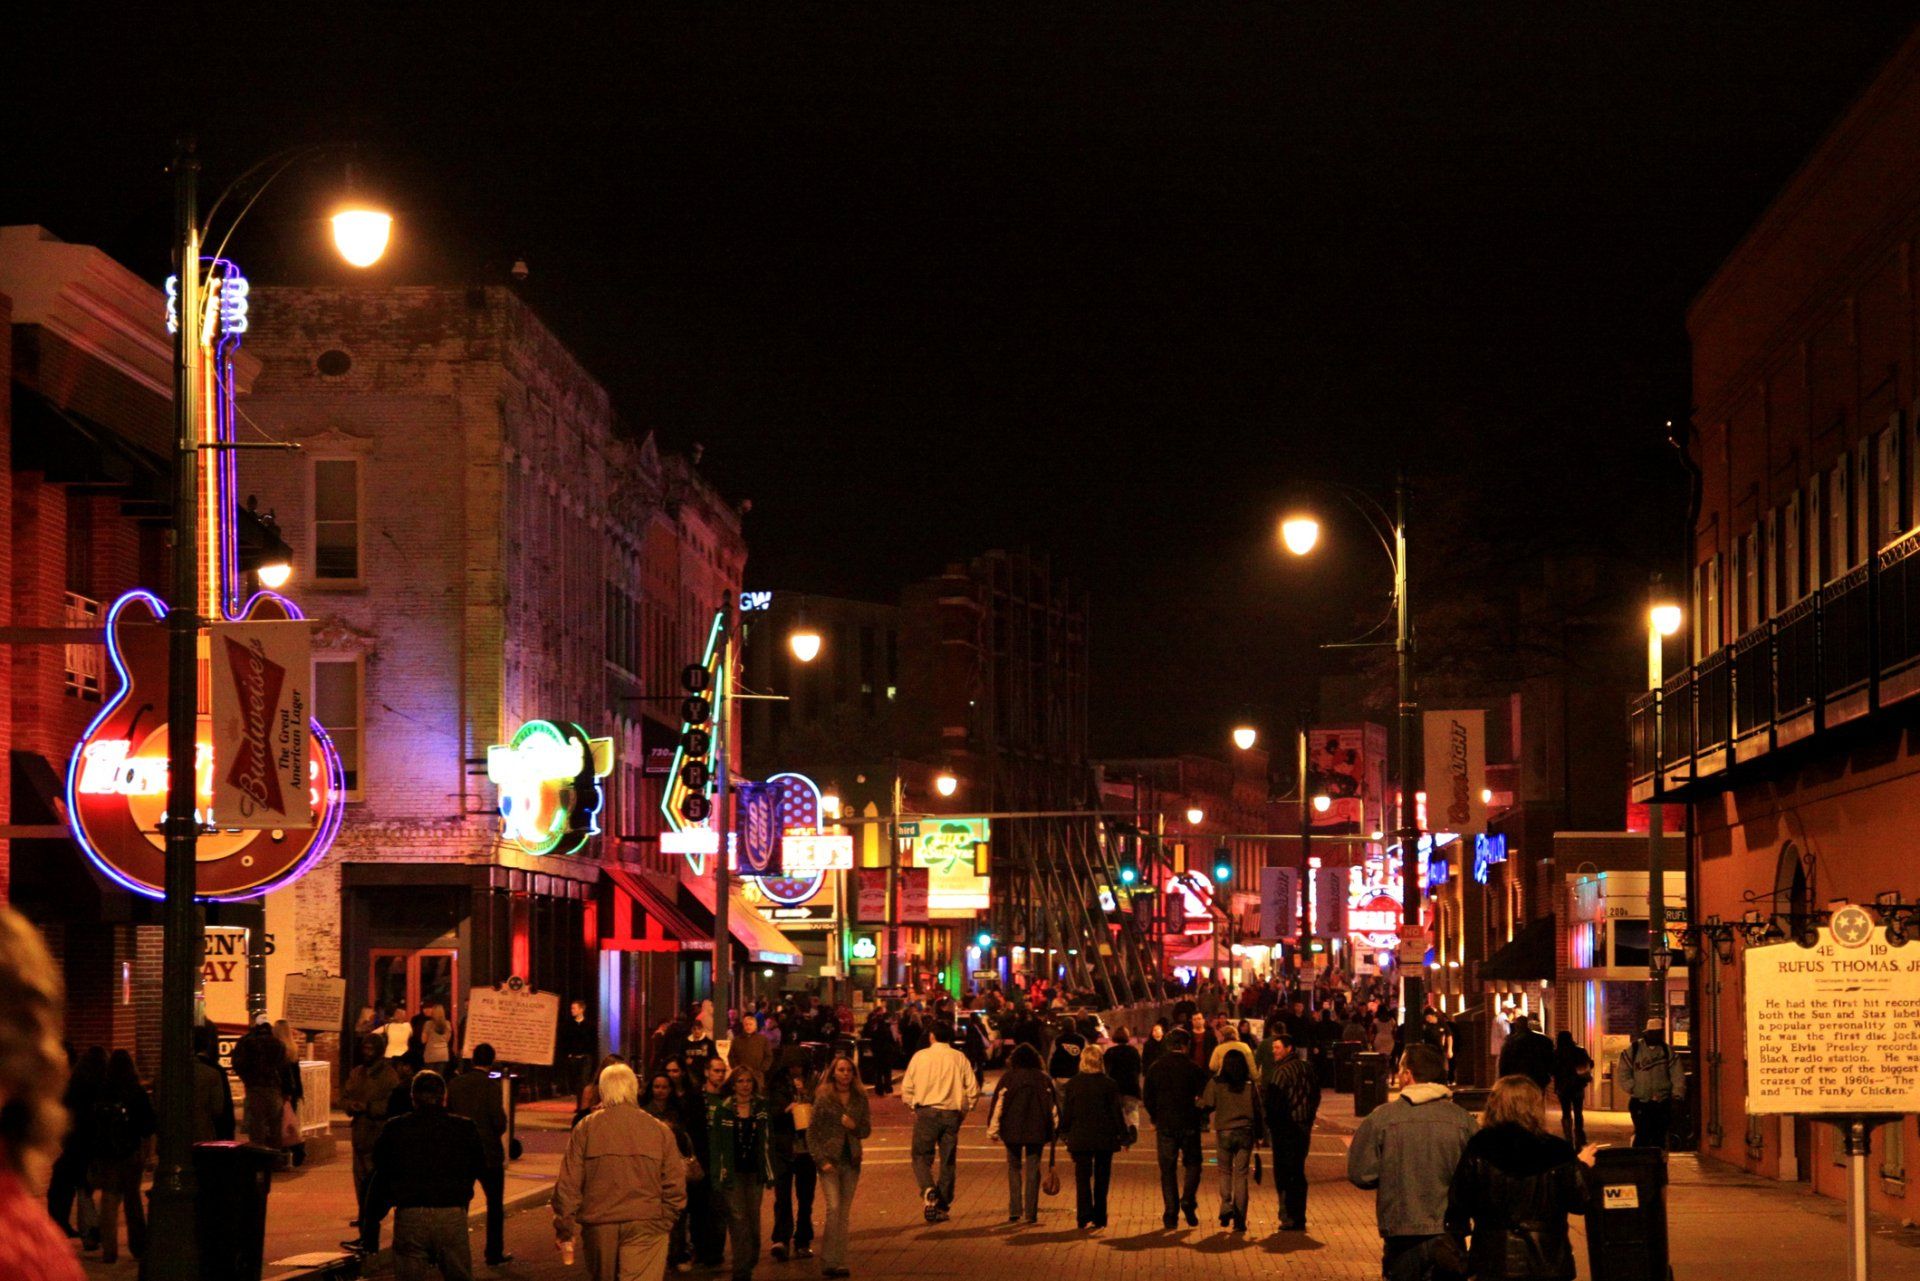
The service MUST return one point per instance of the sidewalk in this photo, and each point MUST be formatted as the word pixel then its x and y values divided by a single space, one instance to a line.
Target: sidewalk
pixel 308 1209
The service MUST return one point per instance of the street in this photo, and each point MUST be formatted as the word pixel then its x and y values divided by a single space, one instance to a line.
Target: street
pixel 1721 1224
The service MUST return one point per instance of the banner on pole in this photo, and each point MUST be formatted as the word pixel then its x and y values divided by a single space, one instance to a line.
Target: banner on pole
pixel 1279 901
pixel 1456 770
pixel 262 699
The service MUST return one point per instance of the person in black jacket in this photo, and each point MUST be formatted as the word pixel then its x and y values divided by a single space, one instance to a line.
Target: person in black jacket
pixel 1527 1053
pixel 424 1167
pixel 120 1132
pixel 1514 1187
pixel 1572 1073
pixel 1064 1063
pixel 1122 1062
pixel 1094 1124
pixel 1023 1116
pixel 1170 1092
pixel 476 1095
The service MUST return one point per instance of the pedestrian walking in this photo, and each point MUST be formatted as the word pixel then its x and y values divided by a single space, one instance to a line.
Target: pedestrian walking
pixel 790 1104
pixel 366 1097
pixel 120 1133
pixel 1572 1073
pixel 1407 1151
pixel 475 1094
pixel 1024 1117
pixel 1527 1053
pixel 1093 1121
pixel 884 1050
pixel 33 1074
pixel 1290 1092
pixel 579 1046
pixel 1654 1079
pixel 1063 1064
pixel 841 1123
pixel 1238 1122
pixel 1154 1046
pixel 939 1089
pixel 1124 1065
pixel 67 1188
pixel 751 1050
pixel 664 1102
pixel 622 1186
pixel 742 1166
pixel 212 1090
pixel 293 1091
pixel 424 1167
pixel 1514 1187
pixel 706 1208
pixel 436 1038
pixel 1231 1044
pixel 260 1060
pixel 398 1031
pixel 1170 1092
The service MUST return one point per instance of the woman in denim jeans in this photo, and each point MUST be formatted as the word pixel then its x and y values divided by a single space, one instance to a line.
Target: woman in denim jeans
pixel 840 1121
pixel 1237 1125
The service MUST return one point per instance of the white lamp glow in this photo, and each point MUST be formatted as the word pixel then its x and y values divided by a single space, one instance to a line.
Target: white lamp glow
pixel 1244 737
pixel 1196 815
pixel 361 235
pixel 1322 803
pixel 946 784
pixel 275 575
pixel 1300 534
pixel 805 644
pixel 1666 619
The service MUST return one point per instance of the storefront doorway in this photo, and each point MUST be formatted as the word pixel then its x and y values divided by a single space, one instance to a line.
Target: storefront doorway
pixel 413 979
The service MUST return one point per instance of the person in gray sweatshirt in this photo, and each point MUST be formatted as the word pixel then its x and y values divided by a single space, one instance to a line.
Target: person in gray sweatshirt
pixel 1408 1151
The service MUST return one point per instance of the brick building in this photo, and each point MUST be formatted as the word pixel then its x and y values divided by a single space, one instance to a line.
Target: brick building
pixel 481 544
pixel 1787 724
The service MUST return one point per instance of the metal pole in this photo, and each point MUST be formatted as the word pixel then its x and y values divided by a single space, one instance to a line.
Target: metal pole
pixel 723 802
pixel 1413 980
pixel 1859 1138
pixel 174 1249
pixel 892 967
pixel 1306 844
pixel 1656 862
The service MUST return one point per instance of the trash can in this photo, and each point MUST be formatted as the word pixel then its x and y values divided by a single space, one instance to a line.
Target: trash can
pixel 1344 1053
pixel 1627 1217
pixel 1369 1081
pixel 230 1208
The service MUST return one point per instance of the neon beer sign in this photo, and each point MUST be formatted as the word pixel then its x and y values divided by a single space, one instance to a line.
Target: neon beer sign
pixel 549 780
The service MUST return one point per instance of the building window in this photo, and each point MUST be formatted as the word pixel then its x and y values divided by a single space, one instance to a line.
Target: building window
pixel 1887 487
pixel 1893 1150
pixel 1791 572
pixel 340 707
pixel 1839 557
pixel 336 519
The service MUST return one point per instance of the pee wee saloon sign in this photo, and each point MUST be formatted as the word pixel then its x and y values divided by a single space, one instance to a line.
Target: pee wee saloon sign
pixel 261 703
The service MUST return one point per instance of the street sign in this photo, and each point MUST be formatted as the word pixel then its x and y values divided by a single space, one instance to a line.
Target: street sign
pixel 1413 944
pixel 907 831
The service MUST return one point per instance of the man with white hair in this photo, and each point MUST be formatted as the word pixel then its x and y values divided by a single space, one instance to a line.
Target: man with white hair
pixel 621 1186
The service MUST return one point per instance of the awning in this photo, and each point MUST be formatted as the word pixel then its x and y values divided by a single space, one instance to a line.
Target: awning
pixel 1202 953
pixel 1528 958
pixel 764 942
pixel 641 918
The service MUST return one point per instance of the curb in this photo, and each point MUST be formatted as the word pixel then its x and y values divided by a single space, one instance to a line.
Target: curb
pixel 350 1265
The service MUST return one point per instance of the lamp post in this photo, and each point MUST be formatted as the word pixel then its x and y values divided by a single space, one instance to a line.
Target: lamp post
pixel 1664 619
pixel 173 1246
pixel 1300 533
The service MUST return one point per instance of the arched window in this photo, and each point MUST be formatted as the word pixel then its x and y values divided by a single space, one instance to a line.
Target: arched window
pixel 1792 891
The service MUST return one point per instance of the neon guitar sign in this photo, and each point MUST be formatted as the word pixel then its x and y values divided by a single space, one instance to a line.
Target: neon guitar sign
pixel 117 778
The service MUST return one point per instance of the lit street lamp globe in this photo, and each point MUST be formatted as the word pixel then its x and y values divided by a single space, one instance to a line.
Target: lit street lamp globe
pixel 1666 618
pixel 361 235
pixel 1300 534
pixel 1196 815
pixel 1244 737
pixel 805 645
pixel 1322 803
pixel 946 784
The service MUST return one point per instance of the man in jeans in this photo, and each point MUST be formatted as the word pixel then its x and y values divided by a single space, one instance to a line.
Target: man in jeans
pixel 1409 1150
pixel 1292 1098
pixel 424 1166
pixel 1170 1094
pixel 1653 1077
pixel 939 1089
pixel 475 1094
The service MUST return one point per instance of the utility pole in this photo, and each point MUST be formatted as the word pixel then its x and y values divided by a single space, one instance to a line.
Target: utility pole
pixel 1306 846
pixel 174 1249
pixel 1413 979
pixel 722 823
pixel 1656 853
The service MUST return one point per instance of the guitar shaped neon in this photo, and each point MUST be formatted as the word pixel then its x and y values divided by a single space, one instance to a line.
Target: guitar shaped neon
pixel 117 779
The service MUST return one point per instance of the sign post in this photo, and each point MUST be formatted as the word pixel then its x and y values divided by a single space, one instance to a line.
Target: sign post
pixel 1833 1032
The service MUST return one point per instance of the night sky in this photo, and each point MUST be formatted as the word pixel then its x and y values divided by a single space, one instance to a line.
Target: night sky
pixel 1101 282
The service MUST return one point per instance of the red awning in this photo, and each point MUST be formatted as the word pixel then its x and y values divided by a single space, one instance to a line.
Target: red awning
pixel 644 919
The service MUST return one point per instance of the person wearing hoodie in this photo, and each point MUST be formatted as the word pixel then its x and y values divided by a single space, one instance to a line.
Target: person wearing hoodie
pixel 1024 1116
pixel 1654 1078
pixel 1514 1188
pixel 1408 1151
pixel 1093 1121
pixel 1238 1123
pixel 1171 1092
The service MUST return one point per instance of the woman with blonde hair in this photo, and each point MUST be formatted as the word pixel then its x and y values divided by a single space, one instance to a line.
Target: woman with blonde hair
pixel 33 1072
pixel 1514 1187
pixel 841 1120
pixel 1093 1120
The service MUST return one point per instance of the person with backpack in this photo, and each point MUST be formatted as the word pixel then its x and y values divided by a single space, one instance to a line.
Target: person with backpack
pixel 67 1188
pixel 1290 1092
pixel 1238 1120
pixel 1513 1189
pixel 260 1061
pixel 1654 1078
pixel 1572 1073
pixel 1064 1063
pixel 119 1133
pixel 1123 1064
pixel 1170 1093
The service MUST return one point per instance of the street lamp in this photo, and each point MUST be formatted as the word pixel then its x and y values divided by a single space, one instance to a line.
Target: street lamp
pixel 805 644
pixel 1195 815
pixel 173 1245
pixel 946 784
pixel 361 235
pixel 1301 533
pixel 1322 803
pixel 274 576
pixel 1244 737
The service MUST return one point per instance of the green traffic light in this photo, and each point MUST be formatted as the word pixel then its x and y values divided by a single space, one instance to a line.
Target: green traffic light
pixel 1222 872
pixel 984 940
pixel 1128 876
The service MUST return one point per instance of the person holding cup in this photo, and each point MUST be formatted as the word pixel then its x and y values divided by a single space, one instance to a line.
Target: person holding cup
pixel 622 1185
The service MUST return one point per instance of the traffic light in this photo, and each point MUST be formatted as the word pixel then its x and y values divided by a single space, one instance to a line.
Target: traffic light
pixel 1129 874
pixel 1223 865
pixel 983 940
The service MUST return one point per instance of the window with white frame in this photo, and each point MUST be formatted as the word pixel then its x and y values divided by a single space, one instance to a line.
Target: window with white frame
pixel 1750 579
pixel 1706 607
pixel 1889 520
pixel 336 519
pixel 1862 493
pixel 339 704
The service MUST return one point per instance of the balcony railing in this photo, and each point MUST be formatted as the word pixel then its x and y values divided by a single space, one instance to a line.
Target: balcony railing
pixel 1842 653
pixel 85 663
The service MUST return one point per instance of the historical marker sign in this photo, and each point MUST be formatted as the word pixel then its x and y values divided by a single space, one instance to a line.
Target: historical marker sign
pixel 518 1023
pixel 1834 1028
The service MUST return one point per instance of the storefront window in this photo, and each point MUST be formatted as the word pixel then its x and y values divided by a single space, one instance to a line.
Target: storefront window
pixel 1630 944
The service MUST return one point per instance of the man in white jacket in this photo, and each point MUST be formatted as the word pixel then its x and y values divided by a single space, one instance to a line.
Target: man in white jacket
pixel 939 1089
